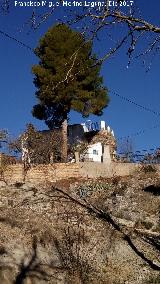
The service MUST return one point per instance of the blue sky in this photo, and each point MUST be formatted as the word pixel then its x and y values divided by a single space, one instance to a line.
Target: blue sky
pixel 17 88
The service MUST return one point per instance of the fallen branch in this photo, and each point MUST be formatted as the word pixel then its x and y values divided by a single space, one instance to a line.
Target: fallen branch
pixel 106 217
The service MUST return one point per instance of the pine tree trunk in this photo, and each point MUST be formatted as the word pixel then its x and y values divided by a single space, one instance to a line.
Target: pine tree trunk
pixel 64 141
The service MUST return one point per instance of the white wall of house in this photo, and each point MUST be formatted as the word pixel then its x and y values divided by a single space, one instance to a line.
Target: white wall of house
pixel 94 152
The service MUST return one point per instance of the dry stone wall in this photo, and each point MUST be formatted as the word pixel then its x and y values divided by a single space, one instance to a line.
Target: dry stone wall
pixel 52 173
pixel 13 173
pixel 39 174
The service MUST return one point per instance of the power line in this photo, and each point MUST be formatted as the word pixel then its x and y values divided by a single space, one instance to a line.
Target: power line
pixel 134 103
pixel 16 40
pixel 113 92
pixel 140 132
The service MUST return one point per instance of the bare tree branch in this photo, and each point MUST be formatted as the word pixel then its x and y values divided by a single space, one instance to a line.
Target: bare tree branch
pixel 107 217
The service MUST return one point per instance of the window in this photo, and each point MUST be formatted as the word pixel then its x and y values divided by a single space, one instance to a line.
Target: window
pixel 95 152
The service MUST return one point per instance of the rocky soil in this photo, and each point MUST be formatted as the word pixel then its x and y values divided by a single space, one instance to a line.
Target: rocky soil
pixel 104 231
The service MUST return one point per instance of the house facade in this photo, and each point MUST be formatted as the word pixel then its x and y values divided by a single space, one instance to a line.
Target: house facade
pixel 44 147
pixel 101 144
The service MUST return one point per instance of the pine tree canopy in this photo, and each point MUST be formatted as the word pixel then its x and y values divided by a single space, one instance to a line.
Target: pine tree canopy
pixel 67 77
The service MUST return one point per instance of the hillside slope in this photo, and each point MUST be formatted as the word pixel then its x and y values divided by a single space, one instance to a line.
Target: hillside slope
pixel 81 231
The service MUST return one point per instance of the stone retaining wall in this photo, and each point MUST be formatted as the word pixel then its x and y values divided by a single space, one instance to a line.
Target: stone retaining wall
pixel 95 169
pixel 38 174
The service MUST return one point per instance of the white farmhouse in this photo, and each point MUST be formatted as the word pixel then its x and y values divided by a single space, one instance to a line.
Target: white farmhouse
pixel 94 153
pixel 102 144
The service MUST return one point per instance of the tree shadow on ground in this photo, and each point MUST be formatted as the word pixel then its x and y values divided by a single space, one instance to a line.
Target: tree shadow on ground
pixel 32 269
pixel 155 190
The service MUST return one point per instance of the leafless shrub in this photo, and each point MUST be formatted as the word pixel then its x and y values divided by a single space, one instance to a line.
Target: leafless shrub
pixel 71 248
pixel 148 169
pixel 43 147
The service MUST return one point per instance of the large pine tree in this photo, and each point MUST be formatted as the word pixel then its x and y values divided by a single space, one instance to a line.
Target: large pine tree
pixel 67 77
